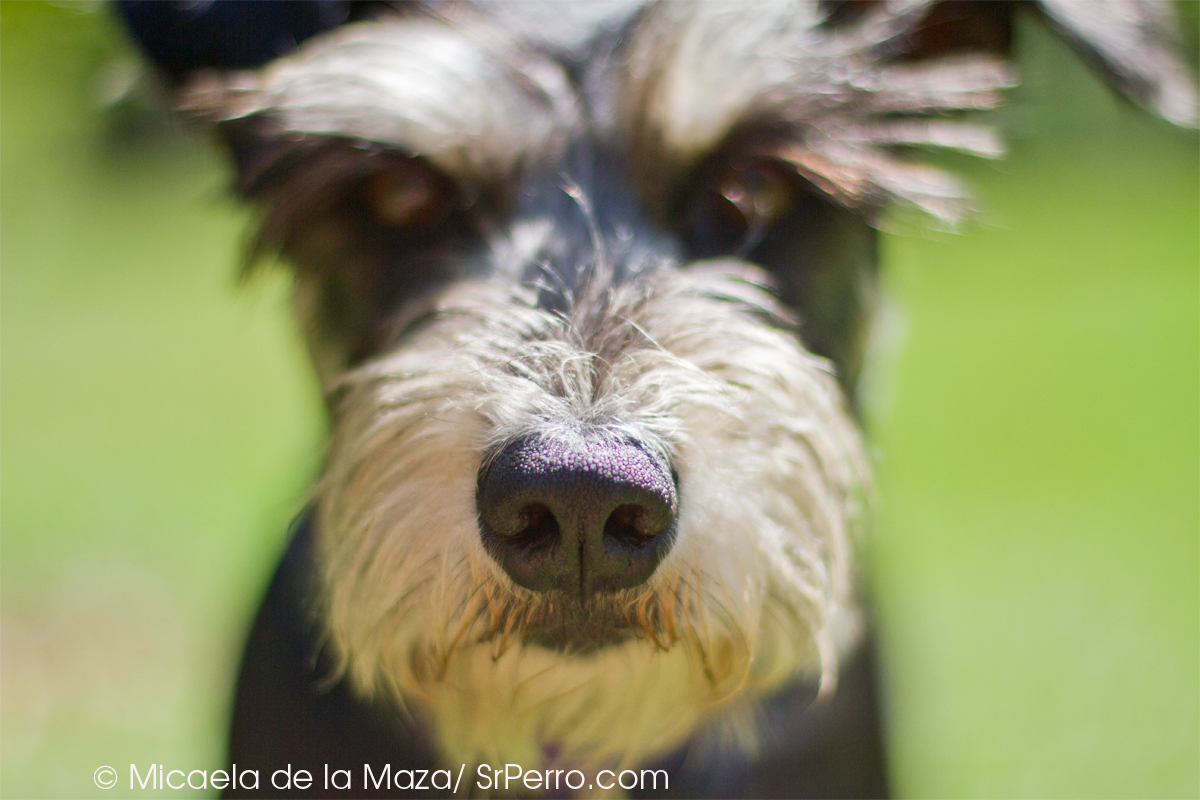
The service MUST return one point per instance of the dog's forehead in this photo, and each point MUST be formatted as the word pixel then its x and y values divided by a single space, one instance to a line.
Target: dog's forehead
pixel 569 30
pixel 485 89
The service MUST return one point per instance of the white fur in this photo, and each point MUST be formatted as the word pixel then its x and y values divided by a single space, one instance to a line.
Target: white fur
pixel 463 98
pixel 752 594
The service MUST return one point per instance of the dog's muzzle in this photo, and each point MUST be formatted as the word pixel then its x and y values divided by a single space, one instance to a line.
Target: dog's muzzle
pixel 578 512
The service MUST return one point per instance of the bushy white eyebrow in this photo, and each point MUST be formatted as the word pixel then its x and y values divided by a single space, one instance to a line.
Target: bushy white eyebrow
pixel 418 83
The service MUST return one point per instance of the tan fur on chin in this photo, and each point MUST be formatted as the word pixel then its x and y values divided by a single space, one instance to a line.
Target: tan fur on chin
pixel 753 593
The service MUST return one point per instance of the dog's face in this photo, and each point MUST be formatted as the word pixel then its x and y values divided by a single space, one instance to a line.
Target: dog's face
pixel 588 288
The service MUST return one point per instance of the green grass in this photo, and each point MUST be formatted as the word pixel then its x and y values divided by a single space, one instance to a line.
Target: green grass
pixel 1035 562
pixel 159 426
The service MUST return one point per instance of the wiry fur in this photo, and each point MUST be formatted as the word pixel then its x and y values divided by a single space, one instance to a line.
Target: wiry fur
pixel 583 275
pixel 757 584
pixel 700 69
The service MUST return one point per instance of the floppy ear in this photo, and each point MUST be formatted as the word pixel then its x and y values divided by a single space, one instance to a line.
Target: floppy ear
pixel 927 60
pixel 1133 42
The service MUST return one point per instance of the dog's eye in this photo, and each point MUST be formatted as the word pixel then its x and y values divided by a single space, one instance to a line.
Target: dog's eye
pixel 408 193
pixel 754 194
pixel 733 205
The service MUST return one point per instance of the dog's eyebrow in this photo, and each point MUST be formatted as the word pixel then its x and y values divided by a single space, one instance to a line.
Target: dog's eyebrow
pixel 830 98
pixel 473 105
pixel 850 91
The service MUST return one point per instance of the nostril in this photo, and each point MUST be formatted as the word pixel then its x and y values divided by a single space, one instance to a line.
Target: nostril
pixel 632 525
pixel 527 539
pixel 537 528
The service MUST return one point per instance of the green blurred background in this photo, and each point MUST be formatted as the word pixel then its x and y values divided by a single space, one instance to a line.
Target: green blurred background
pixel 1035 411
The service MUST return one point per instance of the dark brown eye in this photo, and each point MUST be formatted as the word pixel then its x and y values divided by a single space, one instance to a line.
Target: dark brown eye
pixel 755 193
pixel 735 203
pixel 408 193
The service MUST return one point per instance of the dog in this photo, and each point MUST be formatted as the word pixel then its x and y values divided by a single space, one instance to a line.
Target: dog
pixel 588 287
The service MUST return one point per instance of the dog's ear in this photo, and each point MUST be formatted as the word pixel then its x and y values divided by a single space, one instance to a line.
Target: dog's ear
pixel 1132 42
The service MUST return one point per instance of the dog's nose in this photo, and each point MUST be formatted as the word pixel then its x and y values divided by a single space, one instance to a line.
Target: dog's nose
pixel 577 513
